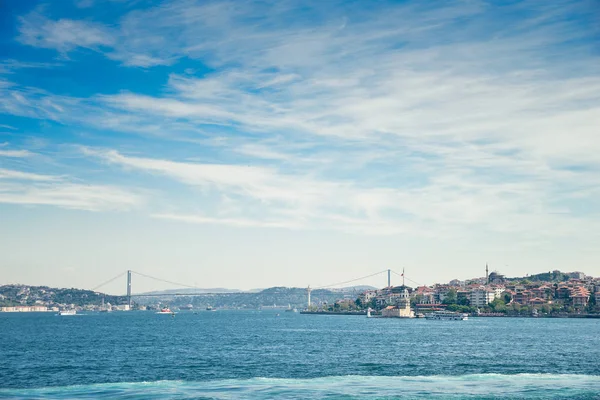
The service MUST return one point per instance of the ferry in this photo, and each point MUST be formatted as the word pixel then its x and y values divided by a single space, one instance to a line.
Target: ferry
pixel 67 312
pixel 447 315
pixel 165 310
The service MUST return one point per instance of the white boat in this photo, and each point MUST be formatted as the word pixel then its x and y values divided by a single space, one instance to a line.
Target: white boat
pixel 67 312
pixel 165 310
pixel 447 315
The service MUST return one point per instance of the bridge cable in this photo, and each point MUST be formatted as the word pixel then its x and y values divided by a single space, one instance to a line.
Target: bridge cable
pixel 108 281
pixel 350 281
pixel 165 281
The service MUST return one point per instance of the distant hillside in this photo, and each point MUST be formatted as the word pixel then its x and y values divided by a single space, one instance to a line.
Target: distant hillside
pixel 189 290
pixel 554 276
pixel 12 295
pixel 279 296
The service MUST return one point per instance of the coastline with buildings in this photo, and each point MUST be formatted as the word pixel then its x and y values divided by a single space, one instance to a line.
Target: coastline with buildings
pixel 551 294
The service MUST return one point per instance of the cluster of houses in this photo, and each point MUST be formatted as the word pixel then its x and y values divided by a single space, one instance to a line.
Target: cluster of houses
pixel 42 299
pixel 576 292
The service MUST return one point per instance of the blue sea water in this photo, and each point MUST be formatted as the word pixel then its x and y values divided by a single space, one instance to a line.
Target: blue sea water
pixel 259 355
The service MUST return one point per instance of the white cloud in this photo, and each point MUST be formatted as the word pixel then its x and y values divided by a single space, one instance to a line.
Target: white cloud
pixel 11 174
pixel 72 196
pixel 264 197
pixel 64 35
pixel 15 153
pixel 25 188
pixel 235 222
pixel 410 115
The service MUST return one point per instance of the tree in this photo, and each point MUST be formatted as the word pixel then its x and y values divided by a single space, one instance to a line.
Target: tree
pixel 463 301
pixel 373 303
pixel 358 303
pixel 497 305
pixel 546 308
pixel 450 297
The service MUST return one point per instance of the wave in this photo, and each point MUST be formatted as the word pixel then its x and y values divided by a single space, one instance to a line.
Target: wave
pixel 474 386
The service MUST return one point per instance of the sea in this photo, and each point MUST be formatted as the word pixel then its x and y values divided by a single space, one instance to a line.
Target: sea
pixel 230 354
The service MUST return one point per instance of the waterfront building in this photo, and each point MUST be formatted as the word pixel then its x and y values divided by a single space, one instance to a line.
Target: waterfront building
pixel 397 312
pixel 424 295
pixel 367 296
pixel 536 301
pixel 482 296
pixel 24 309
pixel 580 297
pixel 401 309
pixel 522 295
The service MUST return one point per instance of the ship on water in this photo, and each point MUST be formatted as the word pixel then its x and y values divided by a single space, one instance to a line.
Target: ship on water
pixel 447 315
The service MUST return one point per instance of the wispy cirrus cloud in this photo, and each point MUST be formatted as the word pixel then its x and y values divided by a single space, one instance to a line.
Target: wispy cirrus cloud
pixel 410 114
pixel 265 197
pixel 27 188
pixel 15 153
pixel 64 35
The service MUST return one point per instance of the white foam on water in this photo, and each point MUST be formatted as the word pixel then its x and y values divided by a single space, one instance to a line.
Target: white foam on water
pixel 480 386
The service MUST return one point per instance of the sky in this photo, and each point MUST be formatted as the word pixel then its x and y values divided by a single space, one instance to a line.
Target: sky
pixel 249 144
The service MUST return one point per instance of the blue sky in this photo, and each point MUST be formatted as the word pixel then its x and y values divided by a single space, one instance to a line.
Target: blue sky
pixel 250 144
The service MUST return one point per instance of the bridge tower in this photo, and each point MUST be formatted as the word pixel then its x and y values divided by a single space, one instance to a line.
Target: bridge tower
pixel 389 278
pixel 129 288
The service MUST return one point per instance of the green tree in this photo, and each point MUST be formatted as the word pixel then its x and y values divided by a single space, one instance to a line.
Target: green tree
pixel 498 305
pixel 373 304
pixel 546 308
pixel 463 301
pixel 450 297
pixel 358 303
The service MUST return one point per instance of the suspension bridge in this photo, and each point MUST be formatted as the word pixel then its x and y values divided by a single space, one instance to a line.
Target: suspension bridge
pixel 129 273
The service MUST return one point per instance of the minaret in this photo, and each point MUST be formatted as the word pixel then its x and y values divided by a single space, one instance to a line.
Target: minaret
pixel 308 290
pixel 487 275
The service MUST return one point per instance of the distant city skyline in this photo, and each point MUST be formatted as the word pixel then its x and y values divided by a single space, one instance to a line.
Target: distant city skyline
pixel 257 144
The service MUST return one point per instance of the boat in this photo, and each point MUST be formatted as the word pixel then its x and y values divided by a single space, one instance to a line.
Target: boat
pixel 290 309
pixel 369 312
pixel 210 308
pixel 67 312
pixel 447 315
pixel 165 310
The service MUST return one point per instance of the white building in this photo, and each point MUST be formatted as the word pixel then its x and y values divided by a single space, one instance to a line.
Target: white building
pixel 367 296
pixel 401 309
pixel 482 296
